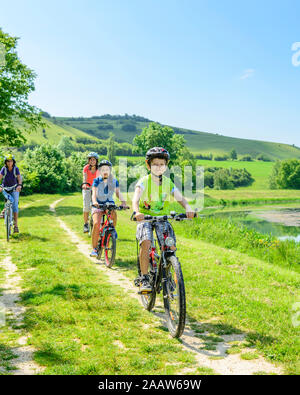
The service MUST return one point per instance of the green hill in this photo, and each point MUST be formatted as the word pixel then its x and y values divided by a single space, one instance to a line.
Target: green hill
pixel 126 127
pixel 53 132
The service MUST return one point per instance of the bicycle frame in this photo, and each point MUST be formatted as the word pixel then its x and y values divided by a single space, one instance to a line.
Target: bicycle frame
pixel 105 225
pixel 8 213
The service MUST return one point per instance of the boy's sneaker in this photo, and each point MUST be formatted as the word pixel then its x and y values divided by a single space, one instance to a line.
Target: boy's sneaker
pixel 94 252
pixel 115 233
pixel 145 284
pixel 85 228
pixel 16 229
pixel 2 213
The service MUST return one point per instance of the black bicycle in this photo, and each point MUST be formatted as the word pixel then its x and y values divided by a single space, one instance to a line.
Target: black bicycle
pixel 107 239
pixel 8 212
pixel 165 275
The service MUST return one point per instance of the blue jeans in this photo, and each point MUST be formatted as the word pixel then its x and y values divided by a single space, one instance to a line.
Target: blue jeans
pixel 14 198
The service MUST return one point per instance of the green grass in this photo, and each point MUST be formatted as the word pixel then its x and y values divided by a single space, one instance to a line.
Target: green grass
pixel 228 234
pixel 80 323
pixel 54 132
pixel 240 294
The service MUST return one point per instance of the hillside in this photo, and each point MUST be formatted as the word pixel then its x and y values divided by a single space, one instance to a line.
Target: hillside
pixel 126 127
pixel 54 132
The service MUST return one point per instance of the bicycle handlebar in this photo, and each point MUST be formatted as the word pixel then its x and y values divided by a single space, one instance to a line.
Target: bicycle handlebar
pixel 8 189
pixel 173 215
pixel 85 183
pixel 106 206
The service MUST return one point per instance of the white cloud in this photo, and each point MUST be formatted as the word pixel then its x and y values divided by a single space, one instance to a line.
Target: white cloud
pixel 247 74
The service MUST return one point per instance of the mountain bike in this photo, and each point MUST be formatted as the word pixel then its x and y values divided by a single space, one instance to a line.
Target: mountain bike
pixel 107 239
pixel 90 223
pixel 165 275
pixel 8 212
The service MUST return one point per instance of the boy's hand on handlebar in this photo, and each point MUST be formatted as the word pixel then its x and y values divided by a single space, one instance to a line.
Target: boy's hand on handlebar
pixel 139 216
pixel 190 214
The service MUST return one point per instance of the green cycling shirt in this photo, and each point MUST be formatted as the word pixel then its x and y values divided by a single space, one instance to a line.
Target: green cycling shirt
pixel 155 199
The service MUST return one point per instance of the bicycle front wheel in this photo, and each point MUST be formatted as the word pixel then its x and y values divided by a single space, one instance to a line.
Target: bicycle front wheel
pixel 174 297
pixel 110 250
pixel 7 225
pixel 148 299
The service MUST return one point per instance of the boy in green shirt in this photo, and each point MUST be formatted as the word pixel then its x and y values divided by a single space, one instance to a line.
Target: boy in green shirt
pixel 151 196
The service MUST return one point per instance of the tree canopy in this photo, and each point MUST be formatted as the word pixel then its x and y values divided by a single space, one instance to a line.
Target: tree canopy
pixel 16 83
pixel 156 135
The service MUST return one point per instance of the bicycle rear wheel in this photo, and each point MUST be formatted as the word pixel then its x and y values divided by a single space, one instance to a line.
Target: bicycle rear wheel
pixel 110 249
pixel 174 297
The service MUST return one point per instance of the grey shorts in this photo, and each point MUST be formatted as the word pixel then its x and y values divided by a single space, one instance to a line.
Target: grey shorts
pixel 87 200
pixel 144 231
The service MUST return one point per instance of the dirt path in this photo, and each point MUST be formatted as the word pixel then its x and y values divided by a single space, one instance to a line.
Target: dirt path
pixel 9 301
pixel 218 360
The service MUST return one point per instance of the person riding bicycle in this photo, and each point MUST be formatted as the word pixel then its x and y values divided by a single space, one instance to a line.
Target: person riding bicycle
pixel 11 176
pixel 90 172
pixel 152 196
pixel 103 191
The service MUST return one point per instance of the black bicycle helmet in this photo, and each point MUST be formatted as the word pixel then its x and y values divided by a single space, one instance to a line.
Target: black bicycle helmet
pixel 157 152
pixel 105 162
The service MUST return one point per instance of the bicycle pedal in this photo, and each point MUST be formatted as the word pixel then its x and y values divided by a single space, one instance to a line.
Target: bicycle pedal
pixel 144 292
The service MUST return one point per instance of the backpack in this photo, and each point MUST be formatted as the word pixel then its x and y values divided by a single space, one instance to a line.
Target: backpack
pixel 5 172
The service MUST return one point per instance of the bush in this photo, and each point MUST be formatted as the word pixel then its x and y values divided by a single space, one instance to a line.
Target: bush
pixel 129 127
pixel 232 178
pixel 263 158
pixel 222 179
pixel 45 170
pixel 246 158
pixel 221 158
pixel 286 175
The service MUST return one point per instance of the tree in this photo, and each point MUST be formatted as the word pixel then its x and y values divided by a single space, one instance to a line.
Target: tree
pixel 48 166
pixel 155 135
pixel 286 174
pixel 65 145
pixel 111 148
pixel 16 83
pixel 233 154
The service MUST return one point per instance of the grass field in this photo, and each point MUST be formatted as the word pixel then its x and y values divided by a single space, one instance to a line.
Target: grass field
pixel 81 324
pixel 237 291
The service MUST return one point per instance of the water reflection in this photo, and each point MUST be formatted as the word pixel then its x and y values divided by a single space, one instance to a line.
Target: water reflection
pixel 282 223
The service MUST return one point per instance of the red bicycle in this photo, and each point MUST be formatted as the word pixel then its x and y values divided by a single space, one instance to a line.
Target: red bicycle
pixel 107 234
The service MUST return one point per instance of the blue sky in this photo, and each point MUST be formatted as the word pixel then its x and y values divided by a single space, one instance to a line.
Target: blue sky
pixel 217 66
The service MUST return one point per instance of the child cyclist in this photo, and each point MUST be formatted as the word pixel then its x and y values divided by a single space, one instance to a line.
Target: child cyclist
pixel 90 172
pixel 11 176
pixel 103 191
pixel 151 196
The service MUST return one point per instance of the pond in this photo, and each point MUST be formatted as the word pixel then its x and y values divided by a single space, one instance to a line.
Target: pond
pixel 284 223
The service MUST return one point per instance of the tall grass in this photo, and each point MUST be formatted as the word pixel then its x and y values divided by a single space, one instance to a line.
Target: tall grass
pixel 225 233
